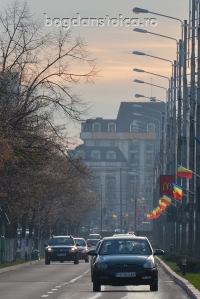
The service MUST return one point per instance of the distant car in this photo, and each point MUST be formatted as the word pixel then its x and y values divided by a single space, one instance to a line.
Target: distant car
pixel 61 248
pixel 93 239
pixel 125 260
pixel 82 249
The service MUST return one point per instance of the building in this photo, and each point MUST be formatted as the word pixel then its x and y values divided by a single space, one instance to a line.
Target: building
pixel 122 154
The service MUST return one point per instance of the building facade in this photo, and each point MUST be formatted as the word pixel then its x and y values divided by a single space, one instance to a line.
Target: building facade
pixel 122 155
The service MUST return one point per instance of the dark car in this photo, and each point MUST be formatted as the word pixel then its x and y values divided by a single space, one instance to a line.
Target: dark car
pixel 93 258
pixel 126 260
pixel 61 248
pixel 82 249
pixel 93 239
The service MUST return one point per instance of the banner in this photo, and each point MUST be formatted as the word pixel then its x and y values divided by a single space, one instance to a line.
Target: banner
pixel 166 184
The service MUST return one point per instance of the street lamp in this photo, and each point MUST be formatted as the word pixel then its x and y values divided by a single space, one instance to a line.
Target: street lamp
pixel 152 99
pixel 143 71
pixel 138 10
pixel 161 35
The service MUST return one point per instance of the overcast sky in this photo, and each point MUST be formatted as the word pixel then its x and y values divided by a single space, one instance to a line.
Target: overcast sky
pixel 113 41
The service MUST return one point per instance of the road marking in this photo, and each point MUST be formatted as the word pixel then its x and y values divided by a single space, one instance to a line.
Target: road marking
pixel 62 284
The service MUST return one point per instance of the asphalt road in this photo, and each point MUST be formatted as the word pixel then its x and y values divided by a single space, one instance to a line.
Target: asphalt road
pixel 61 281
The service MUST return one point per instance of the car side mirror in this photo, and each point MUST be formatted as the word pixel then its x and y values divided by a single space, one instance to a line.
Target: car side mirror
pixel 45 245
pixel 158 252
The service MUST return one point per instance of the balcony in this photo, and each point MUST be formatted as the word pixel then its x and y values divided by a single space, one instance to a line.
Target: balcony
pixel 149 149
pixel 134 149
pixel 134 162
pixel 149 162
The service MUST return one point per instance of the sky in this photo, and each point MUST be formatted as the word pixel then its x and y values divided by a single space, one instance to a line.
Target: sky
pixel 112 42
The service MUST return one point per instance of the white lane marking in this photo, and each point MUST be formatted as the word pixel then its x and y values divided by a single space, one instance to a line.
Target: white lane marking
pixel 49 292
pixel 62 284
pixel 58 286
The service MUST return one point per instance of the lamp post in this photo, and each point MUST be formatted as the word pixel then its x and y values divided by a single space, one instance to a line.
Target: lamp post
pixel 160 35
pixel 101 210
pixel 138 10
pixel 152 99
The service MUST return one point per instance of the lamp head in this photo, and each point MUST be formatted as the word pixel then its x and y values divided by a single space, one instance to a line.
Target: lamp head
pixel 138 70
pixel 138 81
pixel 138 10
pixel 138 53
pixel 137 95
pixel 140 30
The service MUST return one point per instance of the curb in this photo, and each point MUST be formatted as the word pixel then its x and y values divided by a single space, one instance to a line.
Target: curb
pixel 192 292
pixel 10 268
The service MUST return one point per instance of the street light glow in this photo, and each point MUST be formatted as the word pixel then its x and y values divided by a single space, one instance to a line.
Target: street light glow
pixel 137 106
pixel 137 114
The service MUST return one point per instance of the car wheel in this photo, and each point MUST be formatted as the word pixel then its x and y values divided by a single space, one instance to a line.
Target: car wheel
pixel 87 260
pixel 76 261
pixel 96 287
pixel 154 287
pixel 61 261
pixel 47 261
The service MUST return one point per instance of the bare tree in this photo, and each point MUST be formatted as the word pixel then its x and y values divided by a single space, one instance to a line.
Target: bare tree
pixel 36 71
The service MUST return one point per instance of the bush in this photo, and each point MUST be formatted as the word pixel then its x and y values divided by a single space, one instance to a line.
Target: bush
pixel 192 265
pixel 172 257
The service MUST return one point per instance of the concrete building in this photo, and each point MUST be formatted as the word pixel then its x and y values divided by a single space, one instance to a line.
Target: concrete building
pixel 122 155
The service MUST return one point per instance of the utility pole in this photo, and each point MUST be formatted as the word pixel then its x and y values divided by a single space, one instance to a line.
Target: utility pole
pixel 101 210
pixel 198 151
pixel 185 143
pixel 192 163
pixel 120 178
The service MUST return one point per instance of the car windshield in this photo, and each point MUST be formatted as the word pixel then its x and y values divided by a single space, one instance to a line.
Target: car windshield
pixel 81 242
pixel 94 237
pixel 126 246
pixel 61 241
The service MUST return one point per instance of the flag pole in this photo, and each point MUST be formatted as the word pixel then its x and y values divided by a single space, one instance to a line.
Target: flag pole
pixel 196 174
pixel 188 190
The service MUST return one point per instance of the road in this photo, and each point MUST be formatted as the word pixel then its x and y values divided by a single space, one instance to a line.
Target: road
pixel 61 281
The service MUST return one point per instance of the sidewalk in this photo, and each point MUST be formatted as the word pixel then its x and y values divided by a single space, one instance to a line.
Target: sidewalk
pixel 182 282
pixel 6 269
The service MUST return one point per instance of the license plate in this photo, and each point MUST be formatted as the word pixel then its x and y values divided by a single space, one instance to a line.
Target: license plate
pixel 61 254
pixel 125 274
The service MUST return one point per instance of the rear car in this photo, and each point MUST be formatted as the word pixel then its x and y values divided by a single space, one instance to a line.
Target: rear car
pixel 93 239
pixel 82 249
pixel 125 260
pixel 61 248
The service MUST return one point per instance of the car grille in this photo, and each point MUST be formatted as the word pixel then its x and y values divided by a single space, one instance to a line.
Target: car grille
pixel 58 250
pixel 122 267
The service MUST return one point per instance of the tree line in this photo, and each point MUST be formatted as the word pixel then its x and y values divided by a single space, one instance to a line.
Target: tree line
pixel 40 185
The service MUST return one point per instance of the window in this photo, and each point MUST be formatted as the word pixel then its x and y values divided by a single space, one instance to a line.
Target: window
pixel 80 154
pixel 133 127
pixel 151 128
pixel 96 127
pixel 134 159
pixel 111 128
pixel 96 155
pixel 112 142
pixel 111 155
pixel 97 142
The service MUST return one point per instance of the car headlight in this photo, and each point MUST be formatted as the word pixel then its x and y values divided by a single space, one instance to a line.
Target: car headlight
pixel 149 264
pixel 49 249
pixel 101 265
pixel 73 249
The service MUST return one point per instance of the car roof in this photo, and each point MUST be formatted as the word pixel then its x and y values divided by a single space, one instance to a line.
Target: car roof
pixel 76 238
pixel 70 237
pixel 125 237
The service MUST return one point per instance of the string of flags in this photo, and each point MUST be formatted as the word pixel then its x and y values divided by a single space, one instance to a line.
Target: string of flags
pixel 166 200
